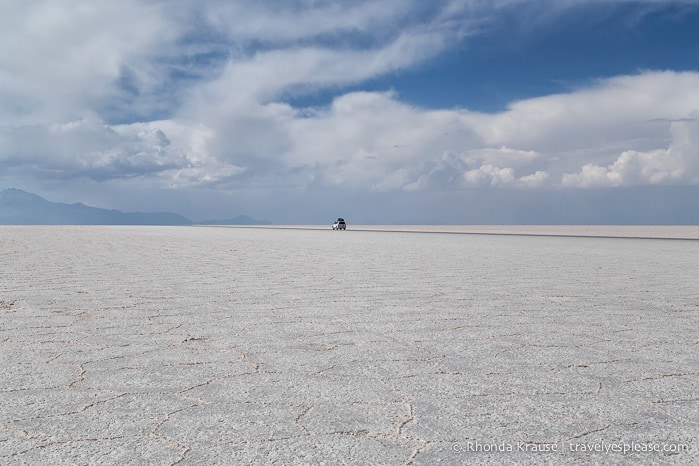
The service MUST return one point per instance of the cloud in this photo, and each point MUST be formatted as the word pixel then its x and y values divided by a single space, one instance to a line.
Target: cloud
pixel 269 75
pixel 284 22
pixel 603 113
pixel 163 152
pixel 489 175
pixel 374 142
pixel 135 59
pixel 195 95
pixel 61 59
pixel 479 168
pixel 678 164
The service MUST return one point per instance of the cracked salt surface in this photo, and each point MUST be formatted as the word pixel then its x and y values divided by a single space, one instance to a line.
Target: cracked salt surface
pixel 192 345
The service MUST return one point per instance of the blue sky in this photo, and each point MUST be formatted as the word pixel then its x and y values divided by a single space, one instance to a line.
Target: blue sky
pixel 455 111
pixel 511 59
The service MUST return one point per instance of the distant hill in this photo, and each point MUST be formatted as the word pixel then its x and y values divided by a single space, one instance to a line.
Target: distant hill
pixel 19 207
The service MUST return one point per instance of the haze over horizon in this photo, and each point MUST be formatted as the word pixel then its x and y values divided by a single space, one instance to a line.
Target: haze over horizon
pixel 455 111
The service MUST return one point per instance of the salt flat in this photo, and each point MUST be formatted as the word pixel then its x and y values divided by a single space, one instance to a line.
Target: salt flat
pixel 204 345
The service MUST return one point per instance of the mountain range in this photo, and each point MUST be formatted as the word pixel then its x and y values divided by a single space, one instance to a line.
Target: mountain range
pixel 19 207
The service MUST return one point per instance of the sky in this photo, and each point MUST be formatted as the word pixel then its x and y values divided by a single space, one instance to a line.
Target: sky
pixel 378 111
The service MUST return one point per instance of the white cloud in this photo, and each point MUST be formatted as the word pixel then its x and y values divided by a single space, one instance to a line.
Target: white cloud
pixel 502 156
pixel 679 163
pixel 71 72
pixel 266 75
pixel 393 146
pixel 478 168
pixel 60 58
pixel 164 152
pixel 538 179
pixel 281 22
pixel 372 141
pixel 489 175
pixel 623 108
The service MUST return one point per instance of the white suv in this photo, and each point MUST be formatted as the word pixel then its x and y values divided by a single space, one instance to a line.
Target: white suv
pixel 339 224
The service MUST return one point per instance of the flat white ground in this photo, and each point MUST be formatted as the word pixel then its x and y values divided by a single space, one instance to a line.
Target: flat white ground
pixel 204 345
